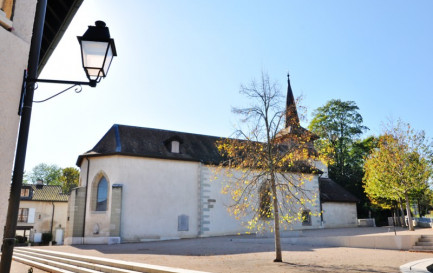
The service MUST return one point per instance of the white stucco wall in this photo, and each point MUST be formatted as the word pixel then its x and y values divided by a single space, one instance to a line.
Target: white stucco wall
pixel 14 50
pixel 155 193
pixel 339 214
pixel 215 216
pixel 222 223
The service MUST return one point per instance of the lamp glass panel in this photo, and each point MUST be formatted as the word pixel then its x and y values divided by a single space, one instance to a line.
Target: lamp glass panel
pixel 93 57
pixel 108 60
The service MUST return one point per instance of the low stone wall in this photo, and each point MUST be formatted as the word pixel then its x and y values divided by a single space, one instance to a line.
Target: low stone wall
pixel 398 242
pixel 417 222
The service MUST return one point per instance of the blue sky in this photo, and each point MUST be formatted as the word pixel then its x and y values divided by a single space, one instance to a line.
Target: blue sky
pixel 180 65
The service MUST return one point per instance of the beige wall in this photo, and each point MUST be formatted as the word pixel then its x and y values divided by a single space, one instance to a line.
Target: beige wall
pixel 43 214
pixel 339 214
pixel 14 49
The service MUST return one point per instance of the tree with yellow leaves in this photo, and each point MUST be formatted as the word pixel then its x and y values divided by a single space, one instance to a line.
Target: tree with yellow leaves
pixel 269 162
pixel 399 168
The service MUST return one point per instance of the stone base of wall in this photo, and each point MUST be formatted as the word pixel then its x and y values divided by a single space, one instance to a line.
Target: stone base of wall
pixel 73 241
pixel 92 240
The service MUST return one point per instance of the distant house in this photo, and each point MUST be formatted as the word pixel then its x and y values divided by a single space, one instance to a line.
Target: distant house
pixel 337 204
pixel 141 184
pixel 43 208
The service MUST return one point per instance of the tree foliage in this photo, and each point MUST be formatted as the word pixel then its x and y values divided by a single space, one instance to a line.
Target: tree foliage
pixel 261 160
pixel 338 124
pixel 48 174
pixel 400 168
pixel 69 179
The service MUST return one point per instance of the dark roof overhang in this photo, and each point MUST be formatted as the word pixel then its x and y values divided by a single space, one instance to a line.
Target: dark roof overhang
pixel 58 16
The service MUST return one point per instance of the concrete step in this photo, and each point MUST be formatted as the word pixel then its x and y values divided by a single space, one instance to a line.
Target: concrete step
pixel 424 239
pixel 44 258
pixel 81 263
pixel 41 266
pixel 58 265
pixel 422 248
pixel 422 243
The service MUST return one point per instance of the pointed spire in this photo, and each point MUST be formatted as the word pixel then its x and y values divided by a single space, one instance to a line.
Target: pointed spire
pixel 292 118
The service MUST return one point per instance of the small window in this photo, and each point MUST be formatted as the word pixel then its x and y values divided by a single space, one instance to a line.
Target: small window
pixel 102 193
pixel 25 192
pixel 175 145
pixel 306 218
pixel 183 223
pixel 23 215
pixel 6 13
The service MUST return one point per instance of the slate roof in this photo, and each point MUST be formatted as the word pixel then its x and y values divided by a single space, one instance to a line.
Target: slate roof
pixel 155 143
pixel 46 193
pixel 330 191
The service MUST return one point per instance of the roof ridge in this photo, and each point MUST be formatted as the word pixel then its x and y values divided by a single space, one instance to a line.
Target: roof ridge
pixel 117 135
pixel 166 130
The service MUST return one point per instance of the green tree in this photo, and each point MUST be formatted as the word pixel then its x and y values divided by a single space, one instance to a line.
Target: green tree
pixel 48 174
pixel 338 124
pixel 69 179
pixel 400 168
pixel 261 160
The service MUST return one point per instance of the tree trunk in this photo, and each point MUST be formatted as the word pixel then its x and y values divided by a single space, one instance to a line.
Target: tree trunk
pixel 403 222
pixel 409 216
pixel 278 255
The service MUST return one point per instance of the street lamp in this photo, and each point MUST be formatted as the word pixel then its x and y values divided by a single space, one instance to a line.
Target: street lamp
pixel 97 51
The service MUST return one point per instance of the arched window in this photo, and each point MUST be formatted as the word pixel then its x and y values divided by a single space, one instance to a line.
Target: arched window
pixel 101 196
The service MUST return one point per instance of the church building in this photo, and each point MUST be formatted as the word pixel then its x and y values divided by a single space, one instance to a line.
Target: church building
pixel 139 184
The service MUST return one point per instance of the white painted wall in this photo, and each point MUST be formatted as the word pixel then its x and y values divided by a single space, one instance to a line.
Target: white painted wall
pixel 14 50
pixel 339 214
pixel 222 223
pixel 155 193
pixel 216 218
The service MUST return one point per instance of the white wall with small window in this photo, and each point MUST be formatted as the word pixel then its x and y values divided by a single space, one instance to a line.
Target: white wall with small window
pixel 39 215
pixel 159 198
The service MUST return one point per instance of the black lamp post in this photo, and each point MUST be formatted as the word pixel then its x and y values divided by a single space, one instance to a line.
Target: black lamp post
pixel 98 50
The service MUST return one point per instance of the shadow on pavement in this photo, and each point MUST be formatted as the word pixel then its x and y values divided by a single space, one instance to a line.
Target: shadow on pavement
pixel 225 245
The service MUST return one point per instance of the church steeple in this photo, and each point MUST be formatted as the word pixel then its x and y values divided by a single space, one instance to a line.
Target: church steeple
pixel 292 119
